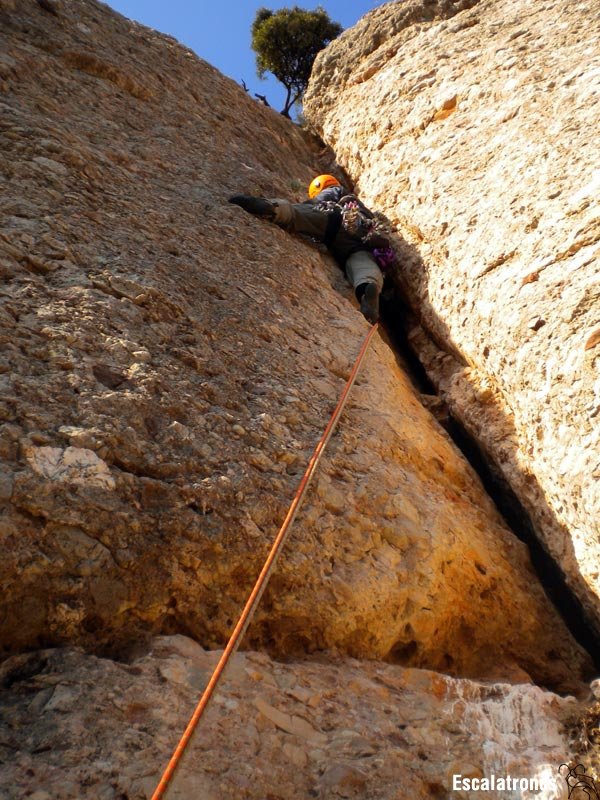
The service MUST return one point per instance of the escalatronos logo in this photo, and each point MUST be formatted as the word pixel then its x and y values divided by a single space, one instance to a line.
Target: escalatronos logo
pixel 580 785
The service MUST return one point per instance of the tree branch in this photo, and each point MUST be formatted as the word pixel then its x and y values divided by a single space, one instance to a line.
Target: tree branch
pixel 286 109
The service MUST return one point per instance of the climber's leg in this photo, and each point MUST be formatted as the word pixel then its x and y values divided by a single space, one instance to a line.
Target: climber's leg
pixel 367 280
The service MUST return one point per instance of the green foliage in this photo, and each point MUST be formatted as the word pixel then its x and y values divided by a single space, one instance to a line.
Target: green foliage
pixel 286 43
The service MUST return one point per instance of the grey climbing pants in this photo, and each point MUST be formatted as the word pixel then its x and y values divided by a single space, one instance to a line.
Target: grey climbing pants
pixel 360 266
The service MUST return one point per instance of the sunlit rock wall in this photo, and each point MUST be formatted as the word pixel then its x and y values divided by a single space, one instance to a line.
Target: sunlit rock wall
pixel 168 363
pixel 474 130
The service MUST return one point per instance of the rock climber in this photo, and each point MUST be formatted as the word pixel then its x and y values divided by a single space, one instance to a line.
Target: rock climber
pixel 321 218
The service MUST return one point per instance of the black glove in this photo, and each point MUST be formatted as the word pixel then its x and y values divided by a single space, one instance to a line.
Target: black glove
pixel 254 205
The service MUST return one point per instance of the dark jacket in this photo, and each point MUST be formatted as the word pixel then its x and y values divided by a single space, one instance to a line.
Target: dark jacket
pixel 341 243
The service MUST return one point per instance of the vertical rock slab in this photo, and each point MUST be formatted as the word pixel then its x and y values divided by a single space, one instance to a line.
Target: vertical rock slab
pixel 473 128
pixel 168 363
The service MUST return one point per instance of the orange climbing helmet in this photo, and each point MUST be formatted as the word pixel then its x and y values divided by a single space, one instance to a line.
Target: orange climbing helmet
pixel 321 182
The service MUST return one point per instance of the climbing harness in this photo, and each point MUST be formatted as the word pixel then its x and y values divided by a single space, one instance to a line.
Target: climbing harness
pixel 353 216
pixel 263 578
pixel 347 213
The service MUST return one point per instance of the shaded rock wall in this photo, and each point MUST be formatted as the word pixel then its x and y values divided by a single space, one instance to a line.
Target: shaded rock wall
pixel 474 131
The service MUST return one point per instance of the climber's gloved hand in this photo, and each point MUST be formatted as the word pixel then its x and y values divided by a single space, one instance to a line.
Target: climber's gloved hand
pixel 254 205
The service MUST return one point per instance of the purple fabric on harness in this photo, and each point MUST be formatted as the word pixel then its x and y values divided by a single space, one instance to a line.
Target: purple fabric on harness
pixel 385 257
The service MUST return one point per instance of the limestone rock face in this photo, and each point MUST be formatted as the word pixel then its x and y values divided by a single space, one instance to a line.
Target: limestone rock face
pixel 168 362
pixel 473 128
pixel 91 728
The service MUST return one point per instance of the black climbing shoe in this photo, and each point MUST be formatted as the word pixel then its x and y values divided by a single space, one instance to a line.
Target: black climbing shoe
pixel 254 205
pixel 369 304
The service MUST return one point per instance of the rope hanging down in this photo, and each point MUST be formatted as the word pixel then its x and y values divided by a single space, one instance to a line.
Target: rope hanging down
pixel 263 578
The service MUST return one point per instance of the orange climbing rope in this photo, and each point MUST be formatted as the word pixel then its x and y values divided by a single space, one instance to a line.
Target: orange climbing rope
pixel 263 578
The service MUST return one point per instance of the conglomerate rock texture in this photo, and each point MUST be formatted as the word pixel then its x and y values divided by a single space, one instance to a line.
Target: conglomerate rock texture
pixel 473 126
pixel 167 364
pixel 280 731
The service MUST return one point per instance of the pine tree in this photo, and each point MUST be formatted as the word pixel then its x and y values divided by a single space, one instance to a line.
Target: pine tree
pixel 286 43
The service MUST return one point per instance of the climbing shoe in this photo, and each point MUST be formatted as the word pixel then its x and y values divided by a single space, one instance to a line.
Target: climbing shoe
pixel 369 303
pixel 254 205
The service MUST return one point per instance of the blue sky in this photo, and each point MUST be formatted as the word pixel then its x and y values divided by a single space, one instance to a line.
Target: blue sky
pixel 219 30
